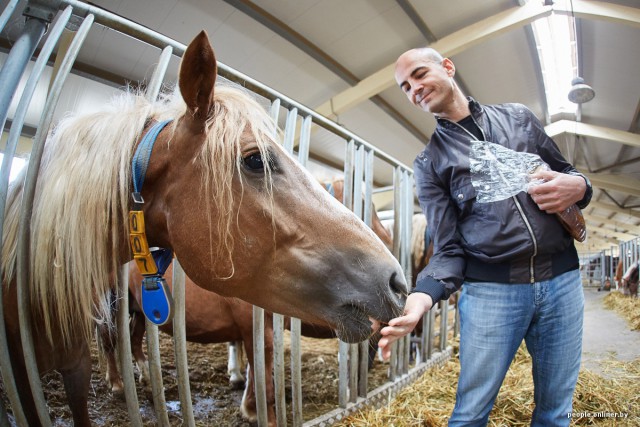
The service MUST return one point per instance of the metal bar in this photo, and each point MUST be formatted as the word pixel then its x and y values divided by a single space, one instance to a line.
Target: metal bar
pixel 349 158
pixel 406 251
pixel 397 241
pixel 357 182
pixel 296 374
pixel 16 63
pixel 444 320
pixel 274 112
pixel 153 341
pixel 424 339
pixel 344 348
pixel 7 12
pixel 363 368
pixel 278 333
pixel 23 249
pixel 155 374
pixel 343 374
pixel 290 130
pixel 397 236
pixel 305 141
pixel 258 364
pixel 278 369
pixel 124 348
pixel 367 217
pixel 9 152
pixel 430 332
pixel 180 344
pixel 353 372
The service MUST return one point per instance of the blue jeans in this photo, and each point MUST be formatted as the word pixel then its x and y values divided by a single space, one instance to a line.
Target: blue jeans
pixel 494 319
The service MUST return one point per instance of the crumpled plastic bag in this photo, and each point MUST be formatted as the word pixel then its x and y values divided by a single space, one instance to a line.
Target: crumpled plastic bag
pixel 498 173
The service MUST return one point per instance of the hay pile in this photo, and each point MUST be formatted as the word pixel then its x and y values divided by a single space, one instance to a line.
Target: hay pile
pixel 429 401
pixel 627 307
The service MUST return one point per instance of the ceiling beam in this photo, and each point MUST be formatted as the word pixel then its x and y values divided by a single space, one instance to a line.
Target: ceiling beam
pixel 298 40
pixel 602 11
pixel 607 232
pixel 632 230
pixel 479 32
pixel 450 45
pixel 583 129
pixel 614 208
pixel 621 183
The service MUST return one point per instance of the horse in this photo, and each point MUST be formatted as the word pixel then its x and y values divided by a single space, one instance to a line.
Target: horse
pixel 630 280
pixel 219 192
pixel 619 272
pixel 211 318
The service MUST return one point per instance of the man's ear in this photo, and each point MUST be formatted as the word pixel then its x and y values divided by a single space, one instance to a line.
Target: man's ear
pixel 448 65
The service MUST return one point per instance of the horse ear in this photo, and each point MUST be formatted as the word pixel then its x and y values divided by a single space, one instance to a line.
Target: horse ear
pixel 197 77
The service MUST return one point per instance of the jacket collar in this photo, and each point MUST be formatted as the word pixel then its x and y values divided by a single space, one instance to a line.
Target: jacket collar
pixel 476 111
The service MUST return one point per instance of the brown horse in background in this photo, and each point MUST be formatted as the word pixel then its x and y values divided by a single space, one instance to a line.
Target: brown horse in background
pixel 630 280
pixel 211 318
pixel 220 192
pixel 618 274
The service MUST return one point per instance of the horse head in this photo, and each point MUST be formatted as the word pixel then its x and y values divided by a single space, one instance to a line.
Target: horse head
pixel 246 220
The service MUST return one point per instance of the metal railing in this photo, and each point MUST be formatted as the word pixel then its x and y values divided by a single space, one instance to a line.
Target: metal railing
pixel 358 172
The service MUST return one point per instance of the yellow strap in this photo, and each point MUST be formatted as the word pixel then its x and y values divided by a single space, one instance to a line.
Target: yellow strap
pixel 139 245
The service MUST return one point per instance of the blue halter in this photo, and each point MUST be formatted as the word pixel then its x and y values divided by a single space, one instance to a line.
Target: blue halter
pixel 157 302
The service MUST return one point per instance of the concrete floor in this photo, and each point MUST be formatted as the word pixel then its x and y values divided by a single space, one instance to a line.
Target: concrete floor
pixel 607 335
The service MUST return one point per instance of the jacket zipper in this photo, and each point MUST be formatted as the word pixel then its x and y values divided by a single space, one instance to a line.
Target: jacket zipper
pixel 517 203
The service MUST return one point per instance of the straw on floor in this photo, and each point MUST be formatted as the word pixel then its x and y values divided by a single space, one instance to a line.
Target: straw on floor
pixel 610 400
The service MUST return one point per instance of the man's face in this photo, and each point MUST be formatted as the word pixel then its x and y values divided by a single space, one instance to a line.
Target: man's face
pixel 427 83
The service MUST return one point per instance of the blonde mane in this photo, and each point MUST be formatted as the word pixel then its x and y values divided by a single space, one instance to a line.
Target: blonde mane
pixel 83 197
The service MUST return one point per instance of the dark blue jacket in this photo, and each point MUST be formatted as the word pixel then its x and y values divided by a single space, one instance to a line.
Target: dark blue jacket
pixel 508 241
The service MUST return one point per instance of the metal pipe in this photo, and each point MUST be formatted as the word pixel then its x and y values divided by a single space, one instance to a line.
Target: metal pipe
pixel 180 344
pixel 7 12
pixel 124 349
pixel 278 369
pixel 258 363
pixel 16 63
pixel 26 210
pixel 296 373
pixel 153 341
pixel 9 152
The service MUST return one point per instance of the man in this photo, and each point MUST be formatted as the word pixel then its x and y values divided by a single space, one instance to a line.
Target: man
pixel 518 265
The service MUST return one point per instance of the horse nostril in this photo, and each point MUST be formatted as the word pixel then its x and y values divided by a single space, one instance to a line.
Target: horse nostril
pixel 398 285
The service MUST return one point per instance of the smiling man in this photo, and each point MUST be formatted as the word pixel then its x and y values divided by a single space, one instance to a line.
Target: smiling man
pixel 518 265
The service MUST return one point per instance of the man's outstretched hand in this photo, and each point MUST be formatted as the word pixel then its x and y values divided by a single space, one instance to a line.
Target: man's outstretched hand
pixel 417 304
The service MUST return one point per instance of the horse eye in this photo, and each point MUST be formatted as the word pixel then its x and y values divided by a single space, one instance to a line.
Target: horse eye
pixel 254 161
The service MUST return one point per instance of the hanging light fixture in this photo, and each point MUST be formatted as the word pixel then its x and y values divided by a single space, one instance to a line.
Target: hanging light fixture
pixel 580 91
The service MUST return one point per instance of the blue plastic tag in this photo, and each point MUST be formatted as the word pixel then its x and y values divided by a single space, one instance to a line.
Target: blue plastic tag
pixel 157 301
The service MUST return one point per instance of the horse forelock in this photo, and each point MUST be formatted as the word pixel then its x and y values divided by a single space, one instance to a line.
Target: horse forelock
pixel 220 158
